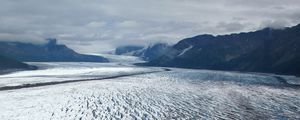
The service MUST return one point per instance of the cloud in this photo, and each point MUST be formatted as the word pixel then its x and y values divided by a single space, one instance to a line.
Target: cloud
pixel 128 24
pixel 22 38
pixel 101 25
pixel 231 27
pixel 276 24
pixel 96 24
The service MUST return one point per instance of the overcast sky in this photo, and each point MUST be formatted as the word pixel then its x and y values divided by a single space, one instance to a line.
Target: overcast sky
pixel 101 25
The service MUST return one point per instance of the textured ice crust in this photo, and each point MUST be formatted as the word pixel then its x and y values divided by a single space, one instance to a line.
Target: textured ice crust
pixel 176 94
pixel 49 72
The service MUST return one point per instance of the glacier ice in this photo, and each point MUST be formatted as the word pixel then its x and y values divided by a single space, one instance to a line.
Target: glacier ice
pixel 175 94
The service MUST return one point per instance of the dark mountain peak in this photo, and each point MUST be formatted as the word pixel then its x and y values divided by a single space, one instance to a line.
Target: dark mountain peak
pixel 201 37
pixel 51 41
pixel 52 45
pixel 204 36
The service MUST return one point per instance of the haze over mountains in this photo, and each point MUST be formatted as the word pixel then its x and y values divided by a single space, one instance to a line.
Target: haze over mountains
pixel 266 50
pixel 49 52
pixel 12 54
pixel 146 53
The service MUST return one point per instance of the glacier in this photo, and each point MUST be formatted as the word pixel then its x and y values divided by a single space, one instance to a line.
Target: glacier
pixel 146 93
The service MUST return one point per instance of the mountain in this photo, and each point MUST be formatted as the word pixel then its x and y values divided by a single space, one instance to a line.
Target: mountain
pixel 50 52
pixel 153 51
pixel 7 64
pixel 146 53
pixel 266 50
pixel 127 50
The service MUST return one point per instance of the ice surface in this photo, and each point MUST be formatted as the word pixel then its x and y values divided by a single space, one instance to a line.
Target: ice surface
pixel 61 71
pixel 120 58
pixel 175 94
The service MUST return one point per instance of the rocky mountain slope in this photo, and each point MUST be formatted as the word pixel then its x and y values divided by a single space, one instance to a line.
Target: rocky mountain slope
pixel 267 50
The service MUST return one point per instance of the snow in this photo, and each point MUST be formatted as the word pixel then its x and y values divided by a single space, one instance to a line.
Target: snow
pixel 175 94
pixel 60 71
pixel 120 58
pixel 185 50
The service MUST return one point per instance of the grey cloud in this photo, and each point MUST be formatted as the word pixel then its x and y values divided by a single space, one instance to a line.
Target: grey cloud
pixel 100 25
pixel 21 38
pixel 276 24
pixel 231 27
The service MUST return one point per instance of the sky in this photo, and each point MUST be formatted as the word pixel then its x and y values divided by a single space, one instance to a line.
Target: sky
pixel 94 26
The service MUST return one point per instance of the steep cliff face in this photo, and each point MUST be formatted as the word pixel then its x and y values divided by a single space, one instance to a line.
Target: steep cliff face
pixel 50 52
pixel 267 50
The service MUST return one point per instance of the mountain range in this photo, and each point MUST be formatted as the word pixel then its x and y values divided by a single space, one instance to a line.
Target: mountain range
pixel 267 50
pixel 49 52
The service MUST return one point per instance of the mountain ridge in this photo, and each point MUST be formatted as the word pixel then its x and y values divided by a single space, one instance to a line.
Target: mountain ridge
pixel 266 50
pixel 49 52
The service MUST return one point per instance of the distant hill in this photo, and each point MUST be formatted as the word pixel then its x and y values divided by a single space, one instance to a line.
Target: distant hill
pixel 127 50
pixel 148 53
pixel 9 64
pixel 153 51
pixel 267 50
pixel 50 52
